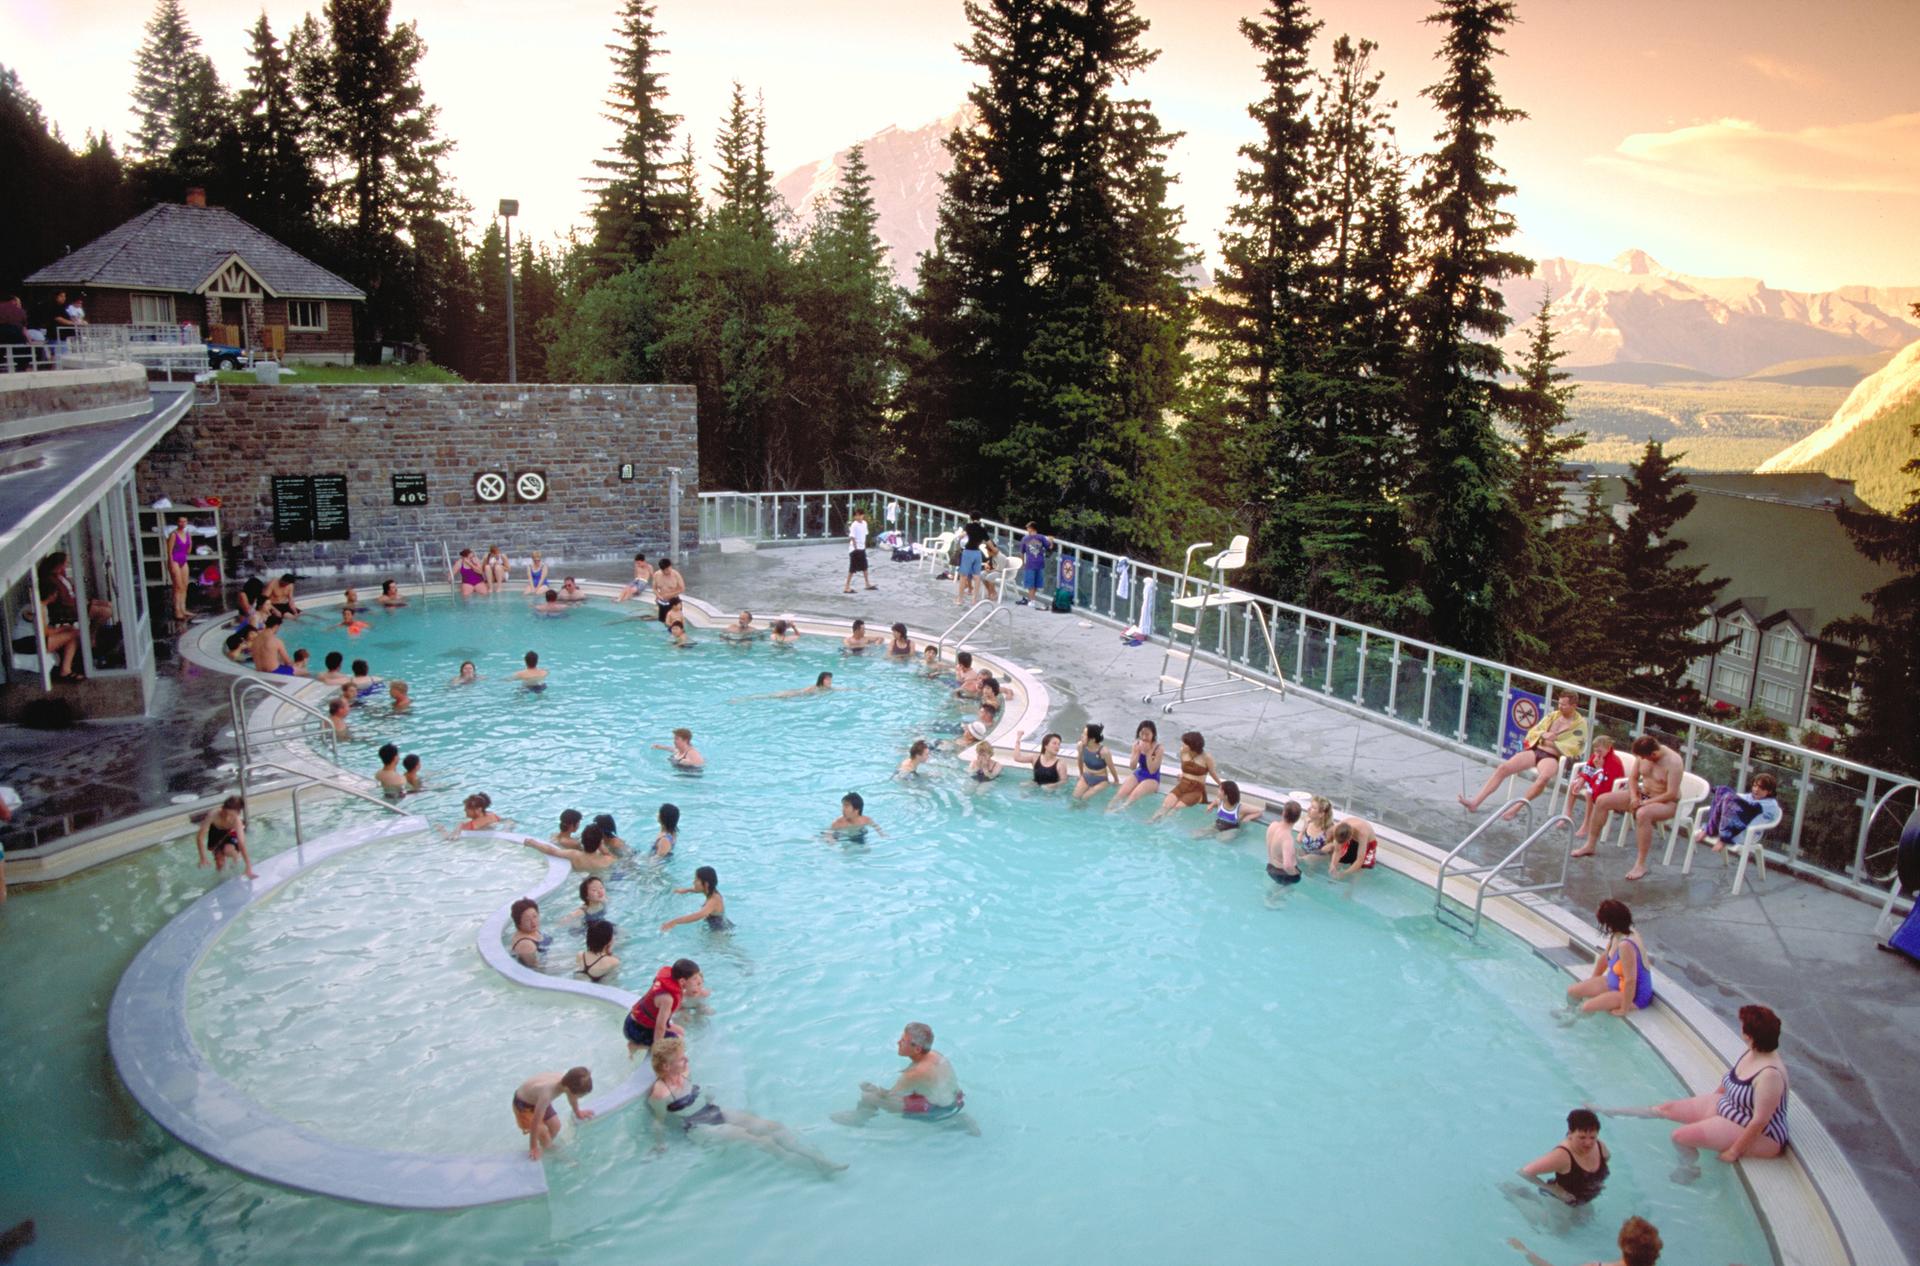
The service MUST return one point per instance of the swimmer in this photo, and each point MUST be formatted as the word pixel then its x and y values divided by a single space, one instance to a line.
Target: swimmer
pixel 301 659
pixel 858 639
pixel 467 675
pixel 1045 762
pixel 853 816
pixel 533 1105
pixel 480 815
pixel 536 573
pixel 528 941
pixel 785 633
pixel 1096 772
pixel 900 646
pixel 224 832
pixel 984 768
pixel 569 823
pixel 1230 812
pixel 550 605
pixel 676 1099
pixel 916 756
pixel 589 856
pixel 1351 845
pixel 610 835
pixel 570 591
pixel 706 882
pixel 677 631
pixel 593 901
pixel 685 755
pixel 364 682
pixel 741 630
pixel 398 697
pixel 410 767
pixel 1143 772
pixel 1195 768
pixel 821 685
pixel 1578 1163
pixel 390 595
pixel 533 675
pixel 659 1002
pixel 930 661
pixel 337 718
pixel 334 676
pixel 597 961
pixel 669 830
pixel 642 578
pixel 926 1090
pixel 350 616
pixel 1283 862
pixel 1639 1244
pixel 392 784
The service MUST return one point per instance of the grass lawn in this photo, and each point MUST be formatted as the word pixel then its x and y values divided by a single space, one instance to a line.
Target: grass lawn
pixel 351 375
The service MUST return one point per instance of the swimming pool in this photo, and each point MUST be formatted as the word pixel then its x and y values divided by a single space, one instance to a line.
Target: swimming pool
pixel 1168 1060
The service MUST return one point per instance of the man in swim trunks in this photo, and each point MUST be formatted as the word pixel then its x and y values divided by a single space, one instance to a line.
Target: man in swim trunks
pixel 642 578
pixel 926 1090
pixel 668 585
pixel 534 675
pixel 269 652
pixel 533 1105
pixel 1651 795
pixel 1351 847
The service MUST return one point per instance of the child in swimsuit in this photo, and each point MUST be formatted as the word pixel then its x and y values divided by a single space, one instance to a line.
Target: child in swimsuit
pixel 224 832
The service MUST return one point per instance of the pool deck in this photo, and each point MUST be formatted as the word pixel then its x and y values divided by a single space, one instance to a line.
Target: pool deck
pixel 1852 1013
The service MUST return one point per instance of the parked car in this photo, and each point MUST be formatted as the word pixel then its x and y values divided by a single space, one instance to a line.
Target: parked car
pixel 227 356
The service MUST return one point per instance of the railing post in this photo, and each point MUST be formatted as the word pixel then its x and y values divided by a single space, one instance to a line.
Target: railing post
pixel 1800 807
pixel 1333 645
pixel 1466 689
pixel 1360 674
pixel 1859 868
pixel 1393 681
pixel 1426 696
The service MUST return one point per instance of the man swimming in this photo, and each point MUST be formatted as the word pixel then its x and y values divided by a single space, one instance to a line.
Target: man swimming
pixel 853 820
pixel 926 1089
pixel 534 675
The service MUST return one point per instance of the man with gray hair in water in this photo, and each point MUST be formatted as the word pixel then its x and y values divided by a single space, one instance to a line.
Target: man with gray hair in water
pixel 926 1090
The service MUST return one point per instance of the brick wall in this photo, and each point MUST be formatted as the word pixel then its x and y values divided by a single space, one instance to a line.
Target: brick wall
pixel 577 435
pixel 335 343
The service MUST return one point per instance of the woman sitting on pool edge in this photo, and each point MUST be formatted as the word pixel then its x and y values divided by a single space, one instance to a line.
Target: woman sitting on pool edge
pixel 1045 762
pixel 1195 768
pixel 713 911
pixel 1094 761
pixel 1621 980
pixel 676 1099
pixel 1143 774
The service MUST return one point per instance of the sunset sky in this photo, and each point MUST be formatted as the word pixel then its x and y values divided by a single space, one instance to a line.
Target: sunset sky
pixel 1725 137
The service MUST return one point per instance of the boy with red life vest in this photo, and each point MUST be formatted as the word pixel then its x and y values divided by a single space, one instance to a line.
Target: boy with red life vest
pixel 660 1001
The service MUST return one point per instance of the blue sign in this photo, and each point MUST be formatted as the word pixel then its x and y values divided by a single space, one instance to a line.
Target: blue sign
pixel 1523 710
pixel 1066 572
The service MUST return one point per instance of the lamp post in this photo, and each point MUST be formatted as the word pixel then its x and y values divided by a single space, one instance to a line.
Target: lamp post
pixel 510 207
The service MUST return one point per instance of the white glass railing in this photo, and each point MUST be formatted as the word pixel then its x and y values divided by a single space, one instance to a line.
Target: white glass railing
pixel 1451 698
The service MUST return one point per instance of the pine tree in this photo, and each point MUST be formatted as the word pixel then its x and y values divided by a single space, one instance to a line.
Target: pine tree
pixel 1537 411
pixel 168 73
pixel 745 195
pixel 1881 729
pixel 487 357
pixel 638 203
pixel 1583 612
pixel 1661 602
pixel 1461 508
pixel 94 194
pixel 277 185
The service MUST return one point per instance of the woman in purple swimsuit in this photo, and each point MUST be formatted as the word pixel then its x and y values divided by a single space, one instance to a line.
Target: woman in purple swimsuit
pixel 467 572
pixel 179 549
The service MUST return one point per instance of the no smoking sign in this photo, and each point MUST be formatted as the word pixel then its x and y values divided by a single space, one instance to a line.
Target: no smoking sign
pixel 492 487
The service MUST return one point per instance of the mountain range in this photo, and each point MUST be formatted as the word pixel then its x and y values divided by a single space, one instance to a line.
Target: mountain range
pixel 1628 321
pixel 1870 438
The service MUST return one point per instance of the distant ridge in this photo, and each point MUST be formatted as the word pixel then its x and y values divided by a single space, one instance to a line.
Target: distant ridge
pixel 1870 437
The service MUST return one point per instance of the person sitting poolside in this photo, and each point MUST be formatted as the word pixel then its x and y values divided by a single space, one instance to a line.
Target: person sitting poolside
pixel 712 911
pixel 1577 1164
pixel 533 1105
pixel 1195 768
pixel 1745 1117
pixel 1095 762
pixel 1560 735
pixel 1283 861
pixel 858 639
pixel 1733 813
pixel 642 578
pixel 1143 767
pixel 550 604
pixel 685 754
pixel 398 696
pixel 853 820
pixel 1639 1245
pixel 676 1099
pixel 598 961
pixel 652 1015
pixel 1045 761
pixel 495 568
pixel 926 1090
pixel 269 652
pixel 528 942
pixel 1230 811
pixel 393 784
pixel 536 573
pixel 1651 796
pixel 1622 979
pixel 223 833
pixel 534 676
pixel 1595 776
pixel 467 574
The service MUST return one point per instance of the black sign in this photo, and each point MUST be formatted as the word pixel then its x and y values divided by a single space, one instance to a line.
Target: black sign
pixel 409 490
pixel 330 508
pixel 530 486
pixel 626 472
pixel 310 508
pixel 490 487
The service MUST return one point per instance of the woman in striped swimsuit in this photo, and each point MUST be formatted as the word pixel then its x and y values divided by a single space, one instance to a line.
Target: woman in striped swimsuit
pixel 1746 1116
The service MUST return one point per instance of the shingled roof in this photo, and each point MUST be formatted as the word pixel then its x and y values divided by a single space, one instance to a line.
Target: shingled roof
pixel 177 248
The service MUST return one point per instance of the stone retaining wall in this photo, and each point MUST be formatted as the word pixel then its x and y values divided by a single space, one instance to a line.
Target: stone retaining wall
pixel 576 436
pixel 51 392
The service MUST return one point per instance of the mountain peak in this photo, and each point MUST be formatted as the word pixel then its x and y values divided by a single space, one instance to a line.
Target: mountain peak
pixel 1639 263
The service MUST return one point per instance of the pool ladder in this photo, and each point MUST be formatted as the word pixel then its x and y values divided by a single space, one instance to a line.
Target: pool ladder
pixel 1458 919
pixel 975 619
pixel 249 762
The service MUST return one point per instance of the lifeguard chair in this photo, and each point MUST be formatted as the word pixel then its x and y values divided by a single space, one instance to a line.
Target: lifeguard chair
pixel 1193 597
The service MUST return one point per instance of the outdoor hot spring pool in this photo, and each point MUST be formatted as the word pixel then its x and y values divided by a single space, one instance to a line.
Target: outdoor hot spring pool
pixel 1169 1059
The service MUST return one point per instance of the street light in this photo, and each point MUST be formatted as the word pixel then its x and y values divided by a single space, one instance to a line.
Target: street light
pixel 510 207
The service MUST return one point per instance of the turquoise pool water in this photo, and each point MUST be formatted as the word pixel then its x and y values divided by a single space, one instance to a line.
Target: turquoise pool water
pixel 1168 1060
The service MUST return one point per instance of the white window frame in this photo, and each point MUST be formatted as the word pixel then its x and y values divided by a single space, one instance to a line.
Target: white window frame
pixel 1772 654
pixel 320 305
pixel 1732 683
pixel 1781 706
pixel 1742 644
pixel 161 313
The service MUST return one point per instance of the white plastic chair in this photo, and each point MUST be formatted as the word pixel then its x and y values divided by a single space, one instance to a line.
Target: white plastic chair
pixel 1750 845
pixel 933 551
pixel 1693 789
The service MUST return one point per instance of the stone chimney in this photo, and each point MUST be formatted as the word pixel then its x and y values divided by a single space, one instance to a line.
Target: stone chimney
pixel 196 197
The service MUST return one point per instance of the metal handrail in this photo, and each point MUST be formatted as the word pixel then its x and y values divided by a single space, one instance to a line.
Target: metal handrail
pixel 1416 698
pixel 420 564
pixel 993 609
pixel 237 692
pixel 1446 863
pixel 310 781
pixel 1489 874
